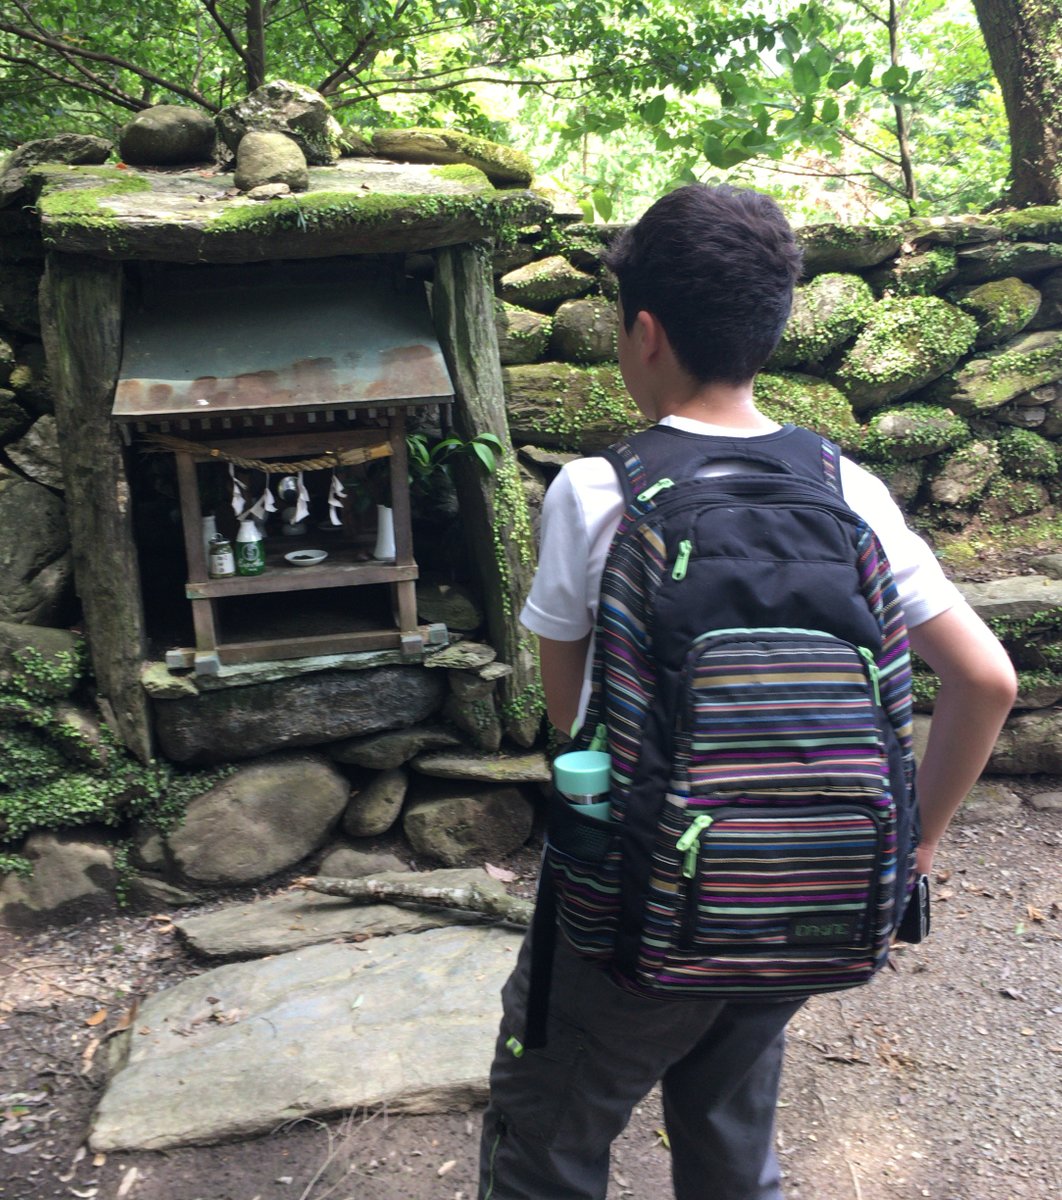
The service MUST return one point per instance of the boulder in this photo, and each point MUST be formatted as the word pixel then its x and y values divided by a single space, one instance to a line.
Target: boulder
pixel 544 284
pixel 570 407
pixel 1002 307
pixel 827 312
pixel 147 893
pixel 244 722
pixel 347 862
pixel 904 480
pixel 270 158
pixel 914 431
pixel 461 826
pixel 260 820
pixel 36 454
pixel 1040 223
pixel 292 920
pixel 920 273
pixel 473 709
pixel 1049 565
pixel 1046 801
pixel 1030 744
pixel 384 751
pixel 1016 368
pixel 585 331
pixel 508 259
pixel 373 809
pixel 167 135
pixel 73 878
pixel 523 335
pixel 19 284
pixel 484 768
pixel 1049 313
pixel 905 344
pixel 502 165
pixel 163 684
pixel 965 474
pixel 58 650
pixel 73 148
pixel 833 247
pixel 448 604
pixel 406 1024
pixel 1001 260
pixel 809 401
pixel 283 107
pixel 36 576
pixel 1026 455
pixel 950 231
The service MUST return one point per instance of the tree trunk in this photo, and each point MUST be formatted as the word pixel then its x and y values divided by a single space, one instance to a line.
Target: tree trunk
pixel 493 507
pixel 256 55
pixel 1024 40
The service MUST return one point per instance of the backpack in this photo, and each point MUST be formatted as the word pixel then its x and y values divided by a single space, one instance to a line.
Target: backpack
pixel 751 681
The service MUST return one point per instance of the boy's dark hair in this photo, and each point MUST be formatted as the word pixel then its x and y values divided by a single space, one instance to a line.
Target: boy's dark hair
pixel 716 266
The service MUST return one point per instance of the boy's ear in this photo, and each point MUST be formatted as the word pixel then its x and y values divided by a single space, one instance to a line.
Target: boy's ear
pixel 651 337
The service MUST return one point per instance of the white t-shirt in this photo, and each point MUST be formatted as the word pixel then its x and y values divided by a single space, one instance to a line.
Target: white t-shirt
pixel 583 507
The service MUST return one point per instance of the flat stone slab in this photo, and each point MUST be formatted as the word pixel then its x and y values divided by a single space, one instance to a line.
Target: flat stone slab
pixel 1017 598
pixel 408 1022
pixel 487 768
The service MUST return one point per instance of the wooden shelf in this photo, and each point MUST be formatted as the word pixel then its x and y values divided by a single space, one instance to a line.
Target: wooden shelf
pixel 340 569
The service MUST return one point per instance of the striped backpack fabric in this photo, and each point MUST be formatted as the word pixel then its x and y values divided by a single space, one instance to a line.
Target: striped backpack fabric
pixel 751 683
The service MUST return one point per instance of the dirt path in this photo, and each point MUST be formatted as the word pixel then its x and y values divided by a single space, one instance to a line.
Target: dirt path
pixel 941 1080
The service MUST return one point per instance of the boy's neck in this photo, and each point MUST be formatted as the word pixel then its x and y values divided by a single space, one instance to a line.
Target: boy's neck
pixel 730 406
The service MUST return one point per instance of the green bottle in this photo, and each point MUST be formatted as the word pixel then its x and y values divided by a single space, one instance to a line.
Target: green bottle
pixel 250 549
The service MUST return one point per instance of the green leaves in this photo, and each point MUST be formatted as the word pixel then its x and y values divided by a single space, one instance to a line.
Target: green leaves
pixel 806 78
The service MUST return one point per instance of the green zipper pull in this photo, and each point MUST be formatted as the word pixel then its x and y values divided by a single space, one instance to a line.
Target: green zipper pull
pixel 600 739
pixel 683 560
pixel 874 671
pixel 650 492
pixel 689 843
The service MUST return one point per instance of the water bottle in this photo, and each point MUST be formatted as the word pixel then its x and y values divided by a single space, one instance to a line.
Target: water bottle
pixel 582 776
pixel 250 550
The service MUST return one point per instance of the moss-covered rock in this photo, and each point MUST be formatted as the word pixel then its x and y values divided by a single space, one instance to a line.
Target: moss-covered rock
pixel 1040 224
pixel 1008 499
pixel 1002 307
pixel 965 474
pixel 914 431
pixel 906 343
pixel 833 247
pixel 1026 455
pixel 808 401
pixel 827 312
pixel 579 408
pixel 950 231
pixel 523 335
pixel 284 107
pixel 986 383
pixel 918 274
pixel 503 166
pixel 903 479
pixel 167 135
pixel 1002 259
pixel 544 284
pixel 584 331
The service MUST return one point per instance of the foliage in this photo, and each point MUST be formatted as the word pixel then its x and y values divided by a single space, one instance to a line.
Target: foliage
pixel 430 463
pixel 54 775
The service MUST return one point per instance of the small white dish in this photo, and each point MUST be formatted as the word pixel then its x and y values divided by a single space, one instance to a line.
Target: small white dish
pixel 305 558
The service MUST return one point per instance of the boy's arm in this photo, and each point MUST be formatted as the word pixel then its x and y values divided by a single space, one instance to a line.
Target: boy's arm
pixel 561 665
pixel 977 689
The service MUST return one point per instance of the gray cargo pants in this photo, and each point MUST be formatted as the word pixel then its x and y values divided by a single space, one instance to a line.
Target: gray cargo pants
pixel 555 1112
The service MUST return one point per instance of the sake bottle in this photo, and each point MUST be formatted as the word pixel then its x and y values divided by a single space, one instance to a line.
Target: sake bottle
pixel 250 550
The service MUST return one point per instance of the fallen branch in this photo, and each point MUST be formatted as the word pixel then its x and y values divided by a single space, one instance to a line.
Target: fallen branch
pixel 487 903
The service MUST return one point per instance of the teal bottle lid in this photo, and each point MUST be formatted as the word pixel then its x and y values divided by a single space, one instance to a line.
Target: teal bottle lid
pixel 582 772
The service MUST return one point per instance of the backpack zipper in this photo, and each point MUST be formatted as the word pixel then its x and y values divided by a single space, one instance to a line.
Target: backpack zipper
pixel 690 844
pixel 873 672
pixel 683 559
pixel 650 492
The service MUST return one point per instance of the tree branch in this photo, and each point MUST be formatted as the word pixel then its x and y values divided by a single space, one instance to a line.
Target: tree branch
pixel 211 7
pixel 495 906
pixel 68 51
pixel 114 97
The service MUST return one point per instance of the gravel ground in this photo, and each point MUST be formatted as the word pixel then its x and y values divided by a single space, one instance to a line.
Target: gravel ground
pixel 942 1079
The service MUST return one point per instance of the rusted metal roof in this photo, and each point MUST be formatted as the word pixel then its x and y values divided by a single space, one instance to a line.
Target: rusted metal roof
pixel 287 338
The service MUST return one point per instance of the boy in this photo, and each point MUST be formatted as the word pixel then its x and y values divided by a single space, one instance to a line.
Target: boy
pixel 705 280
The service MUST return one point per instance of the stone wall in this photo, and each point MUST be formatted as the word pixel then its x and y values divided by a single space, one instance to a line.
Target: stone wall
pixel 932 350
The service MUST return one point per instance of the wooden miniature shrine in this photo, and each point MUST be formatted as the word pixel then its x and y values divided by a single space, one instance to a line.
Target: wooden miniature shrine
pixel 277 369
pixel 315 348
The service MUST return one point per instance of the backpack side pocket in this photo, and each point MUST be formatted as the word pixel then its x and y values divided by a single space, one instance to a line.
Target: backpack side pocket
pixel 583 857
